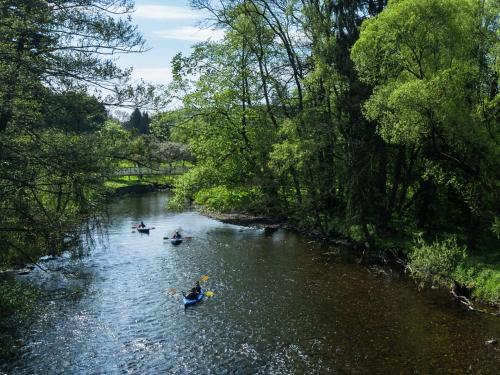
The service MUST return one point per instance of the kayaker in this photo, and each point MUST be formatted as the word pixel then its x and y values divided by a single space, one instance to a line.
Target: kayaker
pixel 142 225
pixel 192 294
pixel 177 235
pixel 197 287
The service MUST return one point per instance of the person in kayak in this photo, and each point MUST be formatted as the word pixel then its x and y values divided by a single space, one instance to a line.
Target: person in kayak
pixel 141 225
pixel 197 287
pixel 192 294
pixel 177 235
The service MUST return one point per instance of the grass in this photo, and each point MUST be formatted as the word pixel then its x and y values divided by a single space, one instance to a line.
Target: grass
pixel 126 181
pixel 481 273
pixel 445 262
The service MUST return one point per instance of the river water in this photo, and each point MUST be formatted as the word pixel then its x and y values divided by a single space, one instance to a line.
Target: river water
pixel 280 307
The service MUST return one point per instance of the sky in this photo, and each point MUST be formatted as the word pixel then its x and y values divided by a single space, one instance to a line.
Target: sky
pixel 169 27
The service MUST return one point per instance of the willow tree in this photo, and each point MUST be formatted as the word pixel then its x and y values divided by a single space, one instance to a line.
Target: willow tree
pixel 434 65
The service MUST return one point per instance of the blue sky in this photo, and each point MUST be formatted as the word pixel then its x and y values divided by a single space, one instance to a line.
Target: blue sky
pixel 169 27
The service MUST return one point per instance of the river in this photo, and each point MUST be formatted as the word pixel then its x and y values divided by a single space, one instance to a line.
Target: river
pixel 280 307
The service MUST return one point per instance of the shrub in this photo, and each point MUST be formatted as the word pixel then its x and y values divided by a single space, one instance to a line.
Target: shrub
pixel 482 277
pixel 187 185
pixel 435 262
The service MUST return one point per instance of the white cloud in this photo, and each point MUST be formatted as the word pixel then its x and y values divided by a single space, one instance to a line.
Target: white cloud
pixel 191 33
pixel 153 75
pixel 166 12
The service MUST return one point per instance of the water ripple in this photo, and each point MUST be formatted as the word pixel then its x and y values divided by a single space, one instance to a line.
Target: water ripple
pixel 278 308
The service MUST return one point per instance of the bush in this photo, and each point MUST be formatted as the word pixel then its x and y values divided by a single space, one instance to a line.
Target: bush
pixel 187 185
pixel 437 261
pixel 482 277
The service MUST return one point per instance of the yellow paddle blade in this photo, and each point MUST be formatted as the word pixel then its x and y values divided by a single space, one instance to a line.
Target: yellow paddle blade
pixel 171 292
pixel 209 294
pixel 204 278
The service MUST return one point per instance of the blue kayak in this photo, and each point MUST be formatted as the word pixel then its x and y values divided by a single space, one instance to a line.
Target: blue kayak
pixel 188 302
pixel 176 241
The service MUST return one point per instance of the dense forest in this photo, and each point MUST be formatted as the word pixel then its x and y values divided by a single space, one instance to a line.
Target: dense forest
pixel 367 119
pixel 374 121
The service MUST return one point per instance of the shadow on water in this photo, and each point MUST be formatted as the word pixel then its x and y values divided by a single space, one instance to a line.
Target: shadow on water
pixel 280 307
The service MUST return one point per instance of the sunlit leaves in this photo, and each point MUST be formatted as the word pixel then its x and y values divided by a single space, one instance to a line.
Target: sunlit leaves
pixel 432 64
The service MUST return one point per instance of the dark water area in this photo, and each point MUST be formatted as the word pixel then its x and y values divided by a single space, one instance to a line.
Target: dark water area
pixel 280 307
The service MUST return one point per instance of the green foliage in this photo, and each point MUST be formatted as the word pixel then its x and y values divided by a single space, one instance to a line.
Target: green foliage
pixel 56 146
pixel 421 57
pixel 138 122
pixel 19 306
pixel 495 227
pixel 195 179
pixel 482 275
pixel 432 64
pixel 435 262
pixel 162 124
pixel 225 199
pixel 74 112
pixel 372 132
pixel 128 181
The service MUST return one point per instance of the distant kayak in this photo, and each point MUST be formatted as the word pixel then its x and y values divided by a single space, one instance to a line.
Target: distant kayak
pixel 188 302
pixel 143 230
pixel 176 241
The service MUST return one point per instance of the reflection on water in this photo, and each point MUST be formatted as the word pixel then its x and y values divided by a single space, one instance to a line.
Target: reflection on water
pixel 279 308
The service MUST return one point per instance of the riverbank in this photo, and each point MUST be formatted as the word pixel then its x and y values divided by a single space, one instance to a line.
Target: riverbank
pixel 474 280
pixel 138 185
pixel 118 307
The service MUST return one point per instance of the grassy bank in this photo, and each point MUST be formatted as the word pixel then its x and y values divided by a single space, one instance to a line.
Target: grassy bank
pixel 129 184
pixel 446 263
pixel 481 274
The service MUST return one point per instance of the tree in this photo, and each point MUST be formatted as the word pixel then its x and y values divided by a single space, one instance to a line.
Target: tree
pixel 433 66
pixel 304 76
pixel 138 122
pixel 57 71
pixel 135 121
pixel 145 121
pixel 342 131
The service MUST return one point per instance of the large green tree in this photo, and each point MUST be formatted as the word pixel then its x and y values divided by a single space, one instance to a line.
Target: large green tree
pixel 57 71
pixel 434 67
pixel 286 77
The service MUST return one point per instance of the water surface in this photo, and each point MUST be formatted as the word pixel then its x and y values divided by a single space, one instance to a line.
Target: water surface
pixel 280 307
